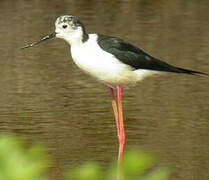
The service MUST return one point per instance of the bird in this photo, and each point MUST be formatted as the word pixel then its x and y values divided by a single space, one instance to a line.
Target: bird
pixel 111 61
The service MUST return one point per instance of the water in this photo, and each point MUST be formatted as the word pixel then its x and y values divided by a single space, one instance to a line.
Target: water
pixel 47 99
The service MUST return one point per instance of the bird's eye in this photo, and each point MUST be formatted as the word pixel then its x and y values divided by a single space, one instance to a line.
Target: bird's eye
pixel 64 26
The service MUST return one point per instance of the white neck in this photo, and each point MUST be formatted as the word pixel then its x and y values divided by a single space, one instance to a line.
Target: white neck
pixel 75 38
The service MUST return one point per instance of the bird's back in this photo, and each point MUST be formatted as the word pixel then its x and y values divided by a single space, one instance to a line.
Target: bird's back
pixel 137 58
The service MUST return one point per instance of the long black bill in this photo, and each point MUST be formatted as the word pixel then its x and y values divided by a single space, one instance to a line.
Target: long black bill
pixel 41 40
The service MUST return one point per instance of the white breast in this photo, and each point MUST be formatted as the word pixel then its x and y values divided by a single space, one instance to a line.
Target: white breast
pixel 100 64
pixel 104 66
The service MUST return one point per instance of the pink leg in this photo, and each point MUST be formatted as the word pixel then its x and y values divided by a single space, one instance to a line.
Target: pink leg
pixel 115 109
pixel 121 124
pixel 118 113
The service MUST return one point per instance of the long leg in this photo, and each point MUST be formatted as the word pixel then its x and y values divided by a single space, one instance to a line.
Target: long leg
pixel 115 109
pixel 121 124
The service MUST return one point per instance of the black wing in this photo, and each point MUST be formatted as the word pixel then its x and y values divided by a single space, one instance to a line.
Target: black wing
pixel 135 57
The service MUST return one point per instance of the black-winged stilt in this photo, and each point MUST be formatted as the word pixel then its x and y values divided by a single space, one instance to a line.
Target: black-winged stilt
pixel 111 61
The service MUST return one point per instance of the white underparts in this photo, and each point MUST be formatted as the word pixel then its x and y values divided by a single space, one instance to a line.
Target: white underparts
pixel 104 66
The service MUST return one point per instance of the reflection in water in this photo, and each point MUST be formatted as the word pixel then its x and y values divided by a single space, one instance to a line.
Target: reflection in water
pixel 46 98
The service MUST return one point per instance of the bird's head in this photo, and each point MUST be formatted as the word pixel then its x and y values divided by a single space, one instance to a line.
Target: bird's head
pixel 67 27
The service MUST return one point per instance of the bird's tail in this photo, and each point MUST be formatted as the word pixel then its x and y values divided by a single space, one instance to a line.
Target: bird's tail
pixel 187 71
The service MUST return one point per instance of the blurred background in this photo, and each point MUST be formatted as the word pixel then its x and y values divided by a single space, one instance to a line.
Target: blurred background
pixel 46 99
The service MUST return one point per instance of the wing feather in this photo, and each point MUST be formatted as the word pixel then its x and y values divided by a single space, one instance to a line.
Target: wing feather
pixel 135 57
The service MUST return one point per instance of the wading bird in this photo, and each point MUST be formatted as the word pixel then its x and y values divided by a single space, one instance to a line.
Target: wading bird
pixel 110 60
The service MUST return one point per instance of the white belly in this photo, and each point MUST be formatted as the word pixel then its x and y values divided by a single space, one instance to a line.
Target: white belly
pixel 100 64
pixel 103 65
